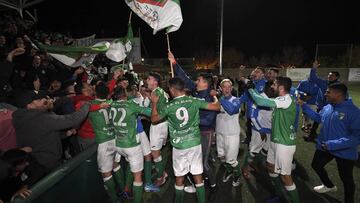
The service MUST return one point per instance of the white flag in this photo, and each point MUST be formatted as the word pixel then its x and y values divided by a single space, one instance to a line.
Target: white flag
pixel 159 14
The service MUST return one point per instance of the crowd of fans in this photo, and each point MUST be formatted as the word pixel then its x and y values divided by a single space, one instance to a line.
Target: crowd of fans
pixel 33 142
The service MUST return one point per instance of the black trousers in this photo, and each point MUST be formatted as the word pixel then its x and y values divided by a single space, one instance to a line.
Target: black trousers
pixel 314 127
pixel 248 130
pixel 345 169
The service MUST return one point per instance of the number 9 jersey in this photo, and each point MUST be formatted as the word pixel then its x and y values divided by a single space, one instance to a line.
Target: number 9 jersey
pixel 183 116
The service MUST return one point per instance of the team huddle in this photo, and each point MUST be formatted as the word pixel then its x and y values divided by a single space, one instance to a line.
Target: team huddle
pixel 272 107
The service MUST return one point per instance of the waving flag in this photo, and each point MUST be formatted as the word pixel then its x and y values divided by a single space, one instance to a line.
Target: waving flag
pixel 74 56
pixel 120 47
pixel 159 14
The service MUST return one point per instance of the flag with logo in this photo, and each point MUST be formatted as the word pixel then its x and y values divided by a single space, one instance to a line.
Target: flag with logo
pixel 159 14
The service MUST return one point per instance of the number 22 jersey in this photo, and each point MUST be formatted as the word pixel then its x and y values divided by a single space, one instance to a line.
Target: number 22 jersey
pixel 124 120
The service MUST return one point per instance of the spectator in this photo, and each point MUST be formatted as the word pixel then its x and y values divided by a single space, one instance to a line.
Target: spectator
pixel 38 127
pixel 339 139
pixel 310 94
pixel 55 88
pixel 12 181
pixel 241 85
pixel 36 73
pixel 123 82
pixel 258 78
pixel 332 78
pixel 7 67
pixel 272 74
pixel 7 131
pixel 86 135
pixel 3 48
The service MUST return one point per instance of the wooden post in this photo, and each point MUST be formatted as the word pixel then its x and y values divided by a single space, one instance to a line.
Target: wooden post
pixel 168 44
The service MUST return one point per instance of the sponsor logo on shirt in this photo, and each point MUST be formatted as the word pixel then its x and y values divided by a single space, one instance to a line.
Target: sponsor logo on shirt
pixel 341 115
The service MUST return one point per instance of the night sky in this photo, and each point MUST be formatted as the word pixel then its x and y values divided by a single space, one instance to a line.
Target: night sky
pixel 251 26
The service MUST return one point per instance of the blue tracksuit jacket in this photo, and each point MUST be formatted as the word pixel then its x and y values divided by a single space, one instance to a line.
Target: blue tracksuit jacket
pixel 341 128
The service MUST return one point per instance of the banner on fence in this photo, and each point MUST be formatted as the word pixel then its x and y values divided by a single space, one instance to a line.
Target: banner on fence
pixel 297 74
pixel 354 75
pixel 85 41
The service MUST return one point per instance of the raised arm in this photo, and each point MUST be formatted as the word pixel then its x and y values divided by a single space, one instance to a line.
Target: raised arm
pixel 146 111
pixel 233 107
pixel 61 122
pixel 311 113
pixel 215 105
pixel 261 100
pixel 314 78
pixel 179 72
pixel 112 83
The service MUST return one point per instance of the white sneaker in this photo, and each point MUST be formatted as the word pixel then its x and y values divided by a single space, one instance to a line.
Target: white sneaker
pixel 324 189
pixel 237 180
pixel 227 176
pixel 190 189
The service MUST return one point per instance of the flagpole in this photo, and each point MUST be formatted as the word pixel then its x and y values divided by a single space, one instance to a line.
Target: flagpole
pixel 221 37
pixel 123 65
pixel 130 17
pixel 168 44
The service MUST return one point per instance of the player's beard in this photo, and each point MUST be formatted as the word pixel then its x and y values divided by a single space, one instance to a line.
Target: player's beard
pixel 276 93
pixel 271 93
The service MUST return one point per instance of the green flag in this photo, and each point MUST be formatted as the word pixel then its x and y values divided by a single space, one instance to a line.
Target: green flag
pixel 74 56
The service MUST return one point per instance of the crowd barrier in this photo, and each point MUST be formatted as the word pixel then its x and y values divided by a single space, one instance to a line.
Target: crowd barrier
pixel 77 180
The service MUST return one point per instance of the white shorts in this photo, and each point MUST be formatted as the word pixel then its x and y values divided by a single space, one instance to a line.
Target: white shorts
pixel 134 156
pixel 228 147
pixel 158 135
pixel 117 157
pixel 105 156
pixel 144 142
pixel 187 160
pixel 281 156
pixel 256 143
pixel 220 145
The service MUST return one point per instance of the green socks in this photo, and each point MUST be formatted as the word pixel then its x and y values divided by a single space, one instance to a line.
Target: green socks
pixel 200 192
pixel 228 167
pixel 179 194
pixel 147 172
pixel 138 190
pixel 159 165
pixel 275 181
pixel 129 178
pixel 236 169
pixel 291 190
pixel 119 177
pixel 293 193
pixel 246 159
pixel 109 184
